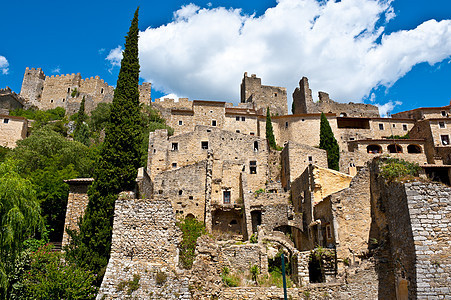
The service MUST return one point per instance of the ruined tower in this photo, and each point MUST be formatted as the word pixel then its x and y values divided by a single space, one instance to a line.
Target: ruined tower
pixel 302 98
pixel 32 86
pixel 264 96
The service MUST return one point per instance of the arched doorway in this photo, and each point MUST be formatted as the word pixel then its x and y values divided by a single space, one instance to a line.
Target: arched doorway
pixel 374 149
pixel 413 149
pixel 394 148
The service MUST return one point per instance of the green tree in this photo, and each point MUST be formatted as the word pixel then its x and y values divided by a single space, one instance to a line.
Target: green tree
pixel 81 131
pixel 47 159
pixel 269 130
pixel 328 142
pixel 117 166
pixel 20 216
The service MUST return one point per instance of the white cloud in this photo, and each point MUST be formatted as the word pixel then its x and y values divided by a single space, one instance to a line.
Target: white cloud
pixel 4 64
pixel 170 96
pixel 340 46
pixel 385 109
pixel 56 70
pixel 115 56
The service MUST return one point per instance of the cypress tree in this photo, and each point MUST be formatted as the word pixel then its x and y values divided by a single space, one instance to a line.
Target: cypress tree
pixel 117 165
pixel 328 142
pixel 81 132
pixel 269 131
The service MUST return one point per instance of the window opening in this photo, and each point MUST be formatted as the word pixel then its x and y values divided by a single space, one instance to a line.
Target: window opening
pixel 445 139
pixel 174 165
pixel 413 149
pixel 180 192
pixel 381 126
pixel 175 146
pixel 204 145
pixel 441 124
pixel 404 127
pixel 226 197
pixel 180 122
pixel 443 113
pixel 286 124
pixel 243 118
pixel 213 122
pixel 310 158
pixel 394 148
pixel 253 167
pixel 237 118
pixel 6 121
pixel 255 146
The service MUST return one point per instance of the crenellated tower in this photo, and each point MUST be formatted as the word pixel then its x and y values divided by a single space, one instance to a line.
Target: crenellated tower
pixel 32 86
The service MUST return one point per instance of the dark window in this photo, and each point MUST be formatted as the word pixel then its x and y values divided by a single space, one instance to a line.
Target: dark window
pixel 190 197
pixel 310 158
pixel 51 101
pixel 351 139
pixel 255 146
pixel 180 122
pixel 404 127
pixel 286 124
pixel 175 146
pixel 443 113
pixel 226 196
pixel 180 192
pixel 445 139
pixel 394 125
pixel 243 118
pixel 441 124
pixel 381 126
pixel 213 122
pixel 6 121
pixel 237 118
pixel 204 145
pixel 253 167
pixel 413 149
pixel 251 133
pixel 275 94
pixel 374 149
pixel 233 222
pixel 101 90
pixel 174 165
pixel 238 131
pixel 63 99
pixel 394 148
pixel 68 90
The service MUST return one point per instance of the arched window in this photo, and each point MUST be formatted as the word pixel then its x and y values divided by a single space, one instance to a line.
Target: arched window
pixel 394 148
pixel 374 149
pixel 413 149
pixel 343 114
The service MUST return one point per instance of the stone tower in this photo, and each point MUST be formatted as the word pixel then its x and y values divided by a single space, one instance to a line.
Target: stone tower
pixel 302 98
pixel 264 96
pixel 32 86
pixel 145 93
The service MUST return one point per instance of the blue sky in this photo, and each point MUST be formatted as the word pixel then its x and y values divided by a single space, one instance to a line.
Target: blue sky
pixel 356 50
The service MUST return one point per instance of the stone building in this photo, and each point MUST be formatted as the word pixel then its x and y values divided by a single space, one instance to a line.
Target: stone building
pixel 12 129
pixel 67 91
pixel 9 101
pixel 303 103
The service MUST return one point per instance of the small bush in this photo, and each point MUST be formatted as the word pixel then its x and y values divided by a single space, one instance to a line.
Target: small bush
pixel 192 229
pixel 254 238
pixel 254 270
pixel 228 279
pixel 393 168
pixel 161 277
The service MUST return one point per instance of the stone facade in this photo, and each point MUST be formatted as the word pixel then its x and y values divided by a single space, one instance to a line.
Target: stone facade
pixel 425 113
pixel 76 204
pixel 9 101
pixel 411 227
pixel 12 129
pixel 67 91
pixel 144 244
pixel 263 96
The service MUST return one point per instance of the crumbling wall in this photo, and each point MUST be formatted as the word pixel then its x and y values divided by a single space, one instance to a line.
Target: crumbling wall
pixel 144 244
pixel 76 204
pixel 264 96
pixel 410 226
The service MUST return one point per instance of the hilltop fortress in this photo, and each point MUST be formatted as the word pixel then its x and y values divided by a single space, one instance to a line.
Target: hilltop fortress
pixel 67 91
pixel 346 234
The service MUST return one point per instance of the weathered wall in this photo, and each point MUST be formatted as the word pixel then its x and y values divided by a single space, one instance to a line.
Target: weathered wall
pixel 295 159
pixel 12 129
pixel 264 96
pixel 32 85
pixel 76 204
pixel 9 101
pixel 144 243
pixel 411 224
pixel 425 113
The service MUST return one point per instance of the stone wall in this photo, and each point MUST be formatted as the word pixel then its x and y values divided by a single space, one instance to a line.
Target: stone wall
pixel 303 103
pixel 296 158
pixel 32 86
pixel 12 130
pixel 76 204
pixel 264 96
pixel 10 101
pixel 411 226
pixel 144 244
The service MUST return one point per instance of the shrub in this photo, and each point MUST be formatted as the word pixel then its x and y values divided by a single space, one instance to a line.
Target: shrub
pixel 254 270
pixel 394 168
pixel 50 277
pixel 191 229
pixel 228 279
pixel 161 277
pixel 254 238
